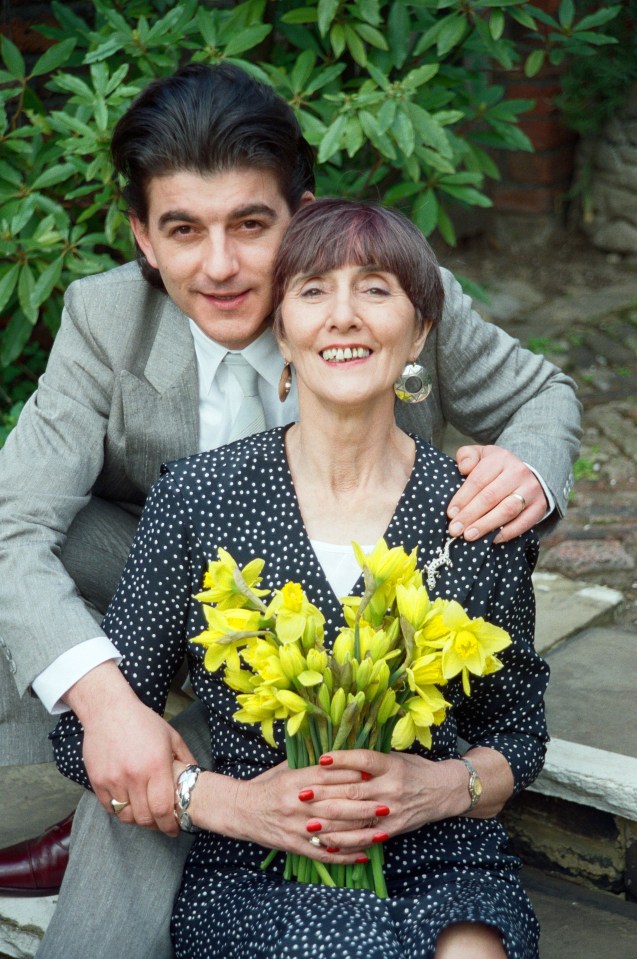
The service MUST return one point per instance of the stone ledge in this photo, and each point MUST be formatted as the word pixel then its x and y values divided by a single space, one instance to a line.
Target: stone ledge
pixel 23 923
pixel 591 777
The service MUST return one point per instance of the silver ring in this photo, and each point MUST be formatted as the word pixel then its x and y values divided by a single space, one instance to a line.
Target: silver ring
pixel 117 806
pixel 521 498
pixel 315 841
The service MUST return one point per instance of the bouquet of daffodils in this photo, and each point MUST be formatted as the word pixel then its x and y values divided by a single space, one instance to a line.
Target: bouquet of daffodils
pixel 379 688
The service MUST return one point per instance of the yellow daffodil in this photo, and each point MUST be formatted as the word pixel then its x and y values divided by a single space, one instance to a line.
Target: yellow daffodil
pixel 227 585
pixel 425 671
pixel 421 713
pixel 413 605
pixel 226 632
pixel 294 614
pixel 470 646
pixel 296 709
pixel 261 706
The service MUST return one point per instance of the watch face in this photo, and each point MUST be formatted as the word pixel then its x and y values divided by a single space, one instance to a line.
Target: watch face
pixel 477 787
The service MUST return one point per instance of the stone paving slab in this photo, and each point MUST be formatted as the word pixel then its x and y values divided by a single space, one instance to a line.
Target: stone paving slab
pixel 565 607
pixel 591 696
pixel 577 923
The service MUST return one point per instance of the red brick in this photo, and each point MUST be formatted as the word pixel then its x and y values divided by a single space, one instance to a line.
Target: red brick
pixel 513 199
pixel 543 169
pixel 548 133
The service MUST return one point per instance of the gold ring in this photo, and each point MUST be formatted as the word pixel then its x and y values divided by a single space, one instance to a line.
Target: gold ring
pixel 117 806
pixel 315 841
pixel 521 498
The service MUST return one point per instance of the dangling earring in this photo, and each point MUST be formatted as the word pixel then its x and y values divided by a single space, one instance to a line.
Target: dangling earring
pixel 413 385
pixel 285 383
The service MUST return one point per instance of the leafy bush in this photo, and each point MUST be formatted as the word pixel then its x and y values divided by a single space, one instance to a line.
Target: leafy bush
pixel 395 96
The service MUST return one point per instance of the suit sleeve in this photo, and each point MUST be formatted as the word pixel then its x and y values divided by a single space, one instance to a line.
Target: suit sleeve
pixel 47 468
pixel 148 618
pixel 494 391
pixel 505 711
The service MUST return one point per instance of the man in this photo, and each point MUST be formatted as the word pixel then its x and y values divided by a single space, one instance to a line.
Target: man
pixel 215 165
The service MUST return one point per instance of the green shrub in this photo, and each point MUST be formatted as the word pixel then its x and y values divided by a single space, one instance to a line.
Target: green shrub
pixel 395 96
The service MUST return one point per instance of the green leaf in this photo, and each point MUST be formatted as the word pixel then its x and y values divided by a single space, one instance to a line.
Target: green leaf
pixel 9 173
pixel 445 226
pixel 105 50
pixel 451 34
pixel 8 280
pixel 398 32
pixel 425 212
pixel 302 70
pixel 466 194
pixel 332 140
pixel 116 79
pixel 323 78
pixel 372 36
pixel 301 15
pixel 386 114
pixel 566 13
pixel 73 85
pixel 596 19
pixel 496 24
pixel 25 211
pixel 55 174
pixel 404 133
pixel 47 280
pixel 378 77
pixel 15 337
pixel 326 12
pixel 247 39
pixel 13 59
pixel 353 136
pixel 355 45
pixel 337 39
pixel 430 132
pixel 534 63
pixel 54 57
pixel 26 285
pixel 523 17
pixel 419 76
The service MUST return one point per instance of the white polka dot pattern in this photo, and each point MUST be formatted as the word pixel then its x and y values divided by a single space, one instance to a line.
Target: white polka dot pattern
pixel 241 497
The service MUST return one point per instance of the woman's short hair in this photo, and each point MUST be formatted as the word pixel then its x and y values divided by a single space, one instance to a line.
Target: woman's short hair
pixel 332 233
pixel 206 120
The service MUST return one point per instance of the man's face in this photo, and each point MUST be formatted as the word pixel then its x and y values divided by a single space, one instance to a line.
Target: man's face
pixel 214 239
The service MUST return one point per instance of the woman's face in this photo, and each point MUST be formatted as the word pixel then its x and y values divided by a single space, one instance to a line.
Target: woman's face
pixel 348 333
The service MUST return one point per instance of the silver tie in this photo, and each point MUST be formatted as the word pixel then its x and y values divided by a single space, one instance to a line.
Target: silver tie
pixel 250 417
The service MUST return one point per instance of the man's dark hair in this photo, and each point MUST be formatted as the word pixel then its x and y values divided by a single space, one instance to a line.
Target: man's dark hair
pixel 206 120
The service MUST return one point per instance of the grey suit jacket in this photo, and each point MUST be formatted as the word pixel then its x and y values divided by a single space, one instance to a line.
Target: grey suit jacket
pixel 120 396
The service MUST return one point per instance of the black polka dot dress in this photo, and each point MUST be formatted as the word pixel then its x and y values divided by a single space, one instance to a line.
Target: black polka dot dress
pixel 241 497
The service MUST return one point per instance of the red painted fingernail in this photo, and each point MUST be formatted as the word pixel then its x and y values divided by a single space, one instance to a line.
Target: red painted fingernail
pixel 314 826
pixel 380 837
pixel 366 777
pixel 306 794
pixel 362 859
pixel 382 810
pixel 325 761
pixel 332 849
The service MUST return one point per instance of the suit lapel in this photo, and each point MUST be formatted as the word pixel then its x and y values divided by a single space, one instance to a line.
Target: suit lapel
pixel 161 411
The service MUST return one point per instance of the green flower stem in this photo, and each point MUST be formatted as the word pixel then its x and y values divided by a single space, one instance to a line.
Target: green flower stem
pixel 323 872
pixel 269 858
pixel 376 857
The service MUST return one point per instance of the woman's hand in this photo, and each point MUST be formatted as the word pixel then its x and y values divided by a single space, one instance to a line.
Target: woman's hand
pixel 275 809
pixel 400 792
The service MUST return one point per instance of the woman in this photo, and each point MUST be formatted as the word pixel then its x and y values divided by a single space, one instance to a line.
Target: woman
pixel 358 291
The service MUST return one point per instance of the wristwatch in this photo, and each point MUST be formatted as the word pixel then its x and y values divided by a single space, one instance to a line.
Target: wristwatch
pixel 475 783
pixel 183 791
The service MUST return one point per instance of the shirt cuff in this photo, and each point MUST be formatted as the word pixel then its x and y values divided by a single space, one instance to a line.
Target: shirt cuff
pixel 53 682
pixel 550 499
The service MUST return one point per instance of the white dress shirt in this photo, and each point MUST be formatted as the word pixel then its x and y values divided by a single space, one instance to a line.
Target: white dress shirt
pixel 219 399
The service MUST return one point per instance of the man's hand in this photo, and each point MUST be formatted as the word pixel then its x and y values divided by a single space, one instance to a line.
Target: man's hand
pixel 500 491
pixel 128 749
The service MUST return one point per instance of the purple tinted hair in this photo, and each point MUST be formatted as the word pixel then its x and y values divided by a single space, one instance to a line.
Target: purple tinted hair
pixel 332 233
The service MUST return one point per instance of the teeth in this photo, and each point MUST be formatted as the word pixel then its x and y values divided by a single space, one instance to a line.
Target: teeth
pixel 340 355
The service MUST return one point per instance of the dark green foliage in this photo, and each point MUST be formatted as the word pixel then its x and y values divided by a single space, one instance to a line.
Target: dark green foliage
pixel 394 95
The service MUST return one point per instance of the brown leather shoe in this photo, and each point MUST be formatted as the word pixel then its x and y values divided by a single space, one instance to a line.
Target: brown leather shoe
pixel 35 867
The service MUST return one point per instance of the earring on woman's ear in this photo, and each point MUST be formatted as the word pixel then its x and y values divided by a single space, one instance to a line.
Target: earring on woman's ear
pixel 413 385
pixel 285 383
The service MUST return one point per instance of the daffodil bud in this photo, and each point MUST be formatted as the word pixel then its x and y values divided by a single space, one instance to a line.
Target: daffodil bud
pixel 363 674
pixel 323 696
pixel 337 706
pixel 387 707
